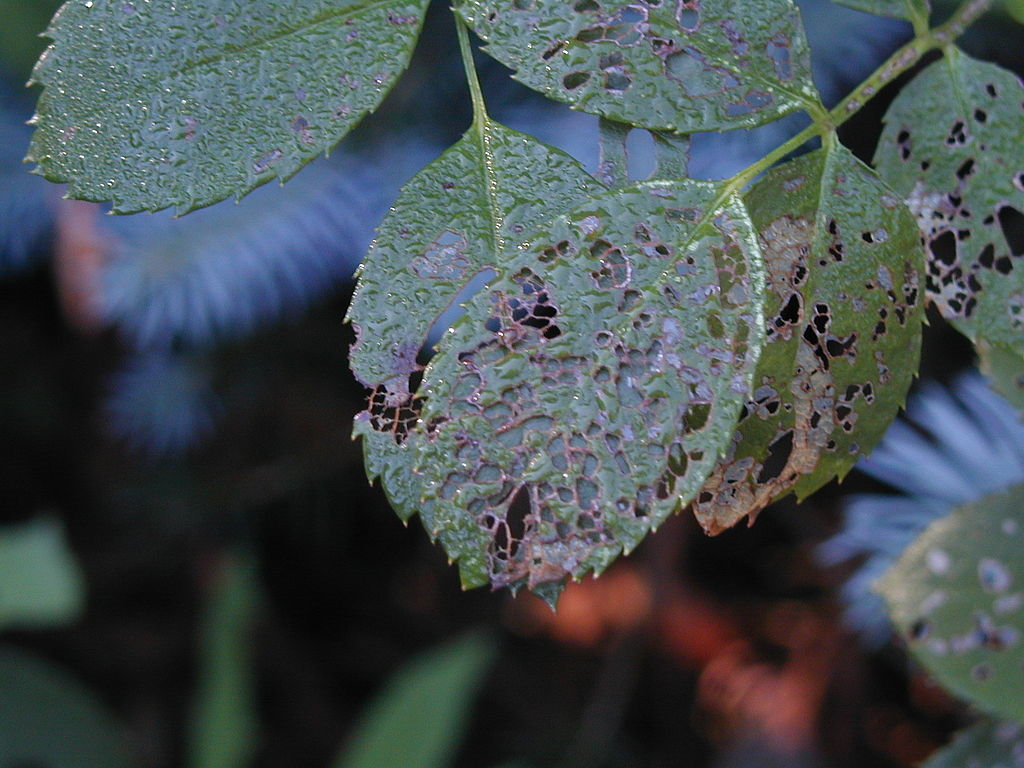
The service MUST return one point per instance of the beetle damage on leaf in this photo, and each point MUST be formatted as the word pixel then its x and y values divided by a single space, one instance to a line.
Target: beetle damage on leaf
pixel 838 247
pixel 951 146
pixel 682 65
pixel 580 401
pixel 443 240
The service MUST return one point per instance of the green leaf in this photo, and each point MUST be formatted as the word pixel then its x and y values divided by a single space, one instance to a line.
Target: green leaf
pixel 986 744
pixel 957 595
pixel 418 720
pixel 595 382
pixel 1015 8
pixel 1005 370
pixel 451 226
pixel 951 146
pixel 157 104
pixel 47 718
pixel 671 65
pixel 842 257
pixel 900 9
pixel 40 581
pixel 224 723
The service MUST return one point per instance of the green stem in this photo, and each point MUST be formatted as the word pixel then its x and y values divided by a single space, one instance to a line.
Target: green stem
pixel 477 96
pixel 940 37
pixel 906 57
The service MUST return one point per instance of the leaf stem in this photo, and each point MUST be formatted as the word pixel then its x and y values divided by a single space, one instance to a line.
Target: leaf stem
pixel 906 57
pixel 477 96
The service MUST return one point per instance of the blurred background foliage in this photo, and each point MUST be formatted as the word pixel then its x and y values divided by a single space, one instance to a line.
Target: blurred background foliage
pixel 194 571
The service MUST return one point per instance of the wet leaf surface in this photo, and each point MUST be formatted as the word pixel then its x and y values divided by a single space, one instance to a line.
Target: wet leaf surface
pixel 152 105
pixel 586 394
pixel 454 223
pixel 682 65
pixel 951 147
pixel 842 259
pixel 957 596
pixel 987 744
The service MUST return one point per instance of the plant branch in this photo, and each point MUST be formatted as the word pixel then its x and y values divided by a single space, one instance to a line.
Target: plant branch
pixel 477 96
pixel 906 57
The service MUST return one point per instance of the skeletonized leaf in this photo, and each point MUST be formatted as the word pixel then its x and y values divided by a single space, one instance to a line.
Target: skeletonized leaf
pixel 951 146
pixel 986 744
pixel 418 719
pixel 451 226
pixel 677 65
pixel 899 9
pixel 156 104
pixel 586 394
pixel 842 258
pixel 957 595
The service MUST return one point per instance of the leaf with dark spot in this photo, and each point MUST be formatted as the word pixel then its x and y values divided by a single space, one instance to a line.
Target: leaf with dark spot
pixel 156 104
pixel 952 148
pixel 678 65
pixel 588 391
pixel 842 258
pixel 449 231
pixel 962 583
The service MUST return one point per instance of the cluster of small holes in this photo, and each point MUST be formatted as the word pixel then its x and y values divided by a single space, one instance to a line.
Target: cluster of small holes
pixel 963 245
pixel 785 244
pixel 615 270
pixel 741 485
pixel 629 25
pixel 543 529
pixel 825 344
pixel 530 311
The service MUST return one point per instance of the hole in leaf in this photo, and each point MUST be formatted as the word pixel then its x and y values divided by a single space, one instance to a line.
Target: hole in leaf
pixel 943 248
pixel 1011 221
pixel 574 80
pixel 778 456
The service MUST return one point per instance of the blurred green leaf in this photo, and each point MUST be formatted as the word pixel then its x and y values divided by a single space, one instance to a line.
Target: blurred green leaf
pixel 957 596
pixel 158 104
pixel 1005 369
pixel 418 720
pixel 1015 8
pixel 987 744
pixel 40 580
pixel 47 718
pixel 224 724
